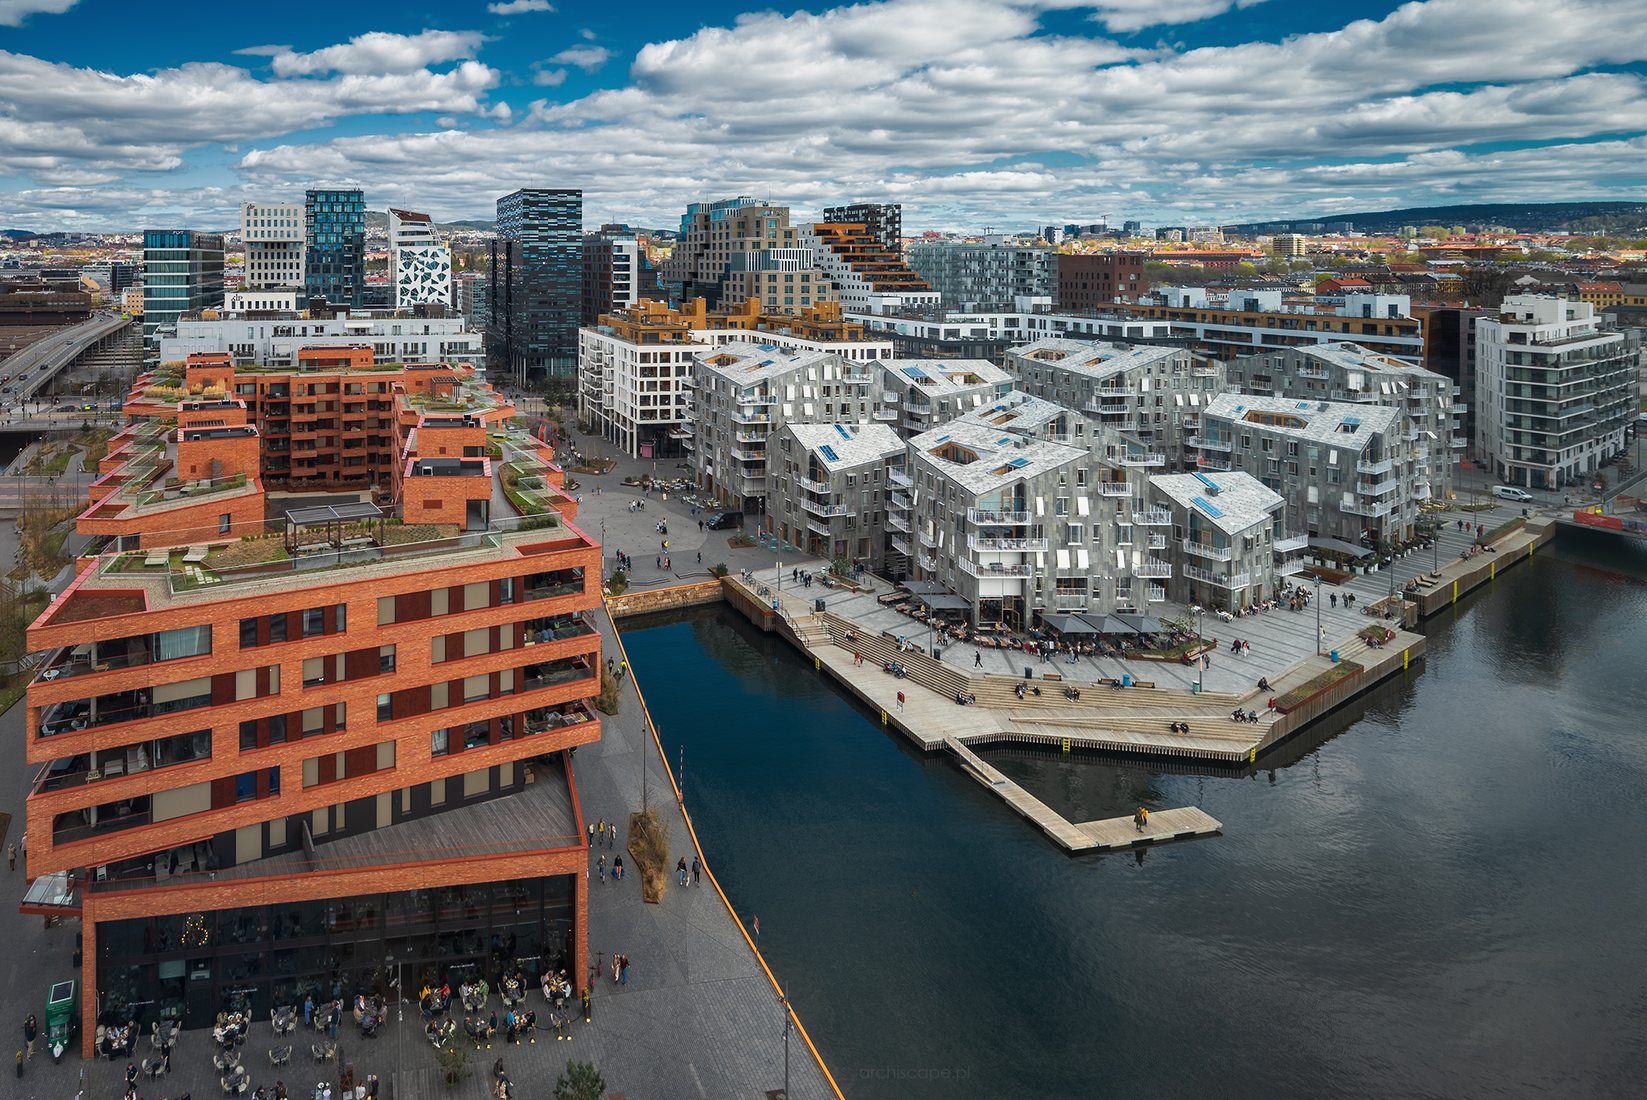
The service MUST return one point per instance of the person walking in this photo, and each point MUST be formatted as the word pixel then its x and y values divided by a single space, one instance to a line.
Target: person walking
pixel 11 855
pixel 592 824
pixel 600 865
pixel 756 922
pixel 680 871
pixel 617 869
pixel 697 872
pixel 31 1032
pixel 617 966
pixel 977 659
pixel 623 970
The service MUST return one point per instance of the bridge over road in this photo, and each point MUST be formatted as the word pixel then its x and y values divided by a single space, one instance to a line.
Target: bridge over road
pixel 29 370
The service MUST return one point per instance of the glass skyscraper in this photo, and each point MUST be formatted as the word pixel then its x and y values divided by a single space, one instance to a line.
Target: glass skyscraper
pixel 182 271
pixel 334 258
pixel 536 286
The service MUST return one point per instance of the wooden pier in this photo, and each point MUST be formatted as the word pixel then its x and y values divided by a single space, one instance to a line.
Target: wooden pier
pixel 1091 836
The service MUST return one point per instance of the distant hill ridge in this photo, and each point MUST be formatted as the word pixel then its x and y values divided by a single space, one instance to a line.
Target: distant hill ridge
pixel 1580 217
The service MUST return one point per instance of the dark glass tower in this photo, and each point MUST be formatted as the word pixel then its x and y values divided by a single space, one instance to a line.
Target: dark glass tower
pixel 334 225
pixel 182 272
pixel 536 286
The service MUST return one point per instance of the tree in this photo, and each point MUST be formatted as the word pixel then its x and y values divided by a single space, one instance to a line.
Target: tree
pixel 453 1057
pixel 581 1081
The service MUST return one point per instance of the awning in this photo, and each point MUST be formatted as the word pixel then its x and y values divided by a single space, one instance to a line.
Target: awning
pixel 1068 624
pixel 1143 624
pixel 1107 624
pixel 1341 546
pixel 940 602
pixel 919 588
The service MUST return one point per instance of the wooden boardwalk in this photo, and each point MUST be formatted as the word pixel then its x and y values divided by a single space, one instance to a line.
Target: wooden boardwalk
pixel 1090 836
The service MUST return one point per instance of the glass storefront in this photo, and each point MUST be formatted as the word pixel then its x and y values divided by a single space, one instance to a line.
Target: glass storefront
pixel 191 966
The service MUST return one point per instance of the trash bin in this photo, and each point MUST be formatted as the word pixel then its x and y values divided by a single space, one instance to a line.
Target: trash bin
pixel 1029 673
pixel 1126 679
pixel 1195 687
pixel 1335 656
pixel 817 605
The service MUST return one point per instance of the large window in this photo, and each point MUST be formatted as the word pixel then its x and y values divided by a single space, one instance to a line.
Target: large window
pixel 187 641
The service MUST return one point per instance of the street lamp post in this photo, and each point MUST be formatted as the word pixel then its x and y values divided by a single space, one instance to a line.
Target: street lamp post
pixel 783 999
pixel 1318 616
pixel 1198 684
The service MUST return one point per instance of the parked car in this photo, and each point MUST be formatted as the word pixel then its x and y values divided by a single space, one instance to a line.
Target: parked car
pixel 1510 492
pixel 722 521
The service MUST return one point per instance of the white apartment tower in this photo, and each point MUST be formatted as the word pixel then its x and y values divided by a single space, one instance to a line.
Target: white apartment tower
pixel 1554 392
pixel 420 263
pixel 272 233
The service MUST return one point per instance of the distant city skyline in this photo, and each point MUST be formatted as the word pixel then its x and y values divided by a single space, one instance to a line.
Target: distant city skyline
pixel 971 113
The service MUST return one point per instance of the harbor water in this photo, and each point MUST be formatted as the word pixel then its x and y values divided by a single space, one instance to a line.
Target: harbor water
pixel 1436 891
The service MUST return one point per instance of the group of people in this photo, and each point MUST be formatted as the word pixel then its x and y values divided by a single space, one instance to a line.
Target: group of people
pixel 965 698
pixel 620 968
pixel 1244 715
pixel 696 872
pixel 1240 647
pixel 617 868
pixel 603 833
pixel 516 1026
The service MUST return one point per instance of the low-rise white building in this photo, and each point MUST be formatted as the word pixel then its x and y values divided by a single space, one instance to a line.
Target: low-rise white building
pixel 274 341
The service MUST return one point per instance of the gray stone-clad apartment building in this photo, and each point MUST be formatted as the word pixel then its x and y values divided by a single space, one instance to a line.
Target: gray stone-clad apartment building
pixel 1020 525
pixel 1430 430
pixel 829 485
pixel 1224 535
pixel 1345 470
pixel 747 390
pixel 920 394
pixel 1154 394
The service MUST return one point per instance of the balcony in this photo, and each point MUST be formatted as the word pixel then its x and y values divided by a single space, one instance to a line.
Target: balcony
pixel 897 522
pixel 1156 542
pixel 751 418
pixel 826 510
pixel 928 538
pixel 1208 550
pixel 1288 543
pixel 818 526
pixel 748 456
pixel 1374 488
pixel 1218 580
pixel 1368 508
pixel 1115 488
pixel 556 628
pixel 989 570
pixel 1158 517
pixel 884 414
pixel 1422 491
pixel 812 486
pixel 1459 442
pixel 1153 567
pixel 743 435
pixel 1373 469
pixel 114 708
pixel 1143 459
pixel 929 563
pixel 1006 546
pixel 1288 567
pixel 1155 593
pixel 1209 443
pixel 546 586
pixel 555 673
pixel 900 479
pixel 1070 600
pixel 986 518
pixel 901 545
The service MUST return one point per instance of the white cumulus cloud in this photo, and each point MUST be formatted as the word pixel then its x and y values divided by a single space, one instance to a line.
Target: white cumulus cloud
pixel 13 12
pixel 375 52
pixel 519 7
pixel 587 58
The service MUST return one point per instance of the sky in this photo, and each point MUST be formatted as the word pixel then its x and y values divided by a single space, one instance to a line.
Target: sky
pixel 973 114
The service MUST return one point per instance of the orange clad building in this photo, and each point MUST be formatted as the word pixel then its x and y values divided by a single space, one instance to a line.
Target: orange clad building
pixel 314 743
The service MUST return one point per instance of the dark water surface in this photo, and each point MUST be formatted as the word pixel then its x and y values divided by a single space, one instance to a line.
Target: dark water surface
pixel 1440 891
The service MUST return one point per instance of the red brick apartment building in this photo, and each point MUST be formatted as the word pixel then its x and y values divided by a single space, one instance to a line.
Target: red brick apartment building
pixel 1089 281
pixel 315 744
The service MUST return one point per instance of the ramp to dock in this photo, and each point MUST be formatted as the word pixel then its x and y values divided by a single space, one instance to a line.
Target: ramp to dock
pixel 1092 836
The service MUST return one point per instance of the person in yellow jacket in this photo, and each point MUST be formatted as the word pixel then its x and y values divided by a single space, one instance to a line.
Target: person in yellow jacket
pixel 1140 819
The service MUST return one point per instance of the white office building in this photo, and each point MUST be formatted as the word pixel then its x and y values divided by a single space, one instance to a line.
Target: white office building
pixel 420 263
pixel 272 234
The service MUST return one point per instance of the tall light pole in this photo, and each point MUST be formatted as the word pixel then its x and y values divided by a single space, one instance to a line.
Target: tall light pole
pixel 1318 616
pixel 1199 657
pixel 783 999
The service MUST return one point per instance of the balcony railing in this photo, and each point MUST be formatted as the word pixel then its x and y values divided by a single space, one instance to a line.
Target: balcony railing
pixel 1155 517
pixel 1070 601
pixel 993 569
pixel 1028 546
pixel 1115 488
pixel 1382 466
pixel 1210 443
pixel 1156 542
pixel 897 522
pixel 814 486
pixel 555 629
pixel 1219 580
pixel 900 479
pixel 901 545
pixel 1374 488
pixel 1208 550
pixel 1370 508
pixel 1155 593
pixel 826 510
pixel 1152 567
pixel 818 526
pixel 1459 442
pixel 1288 543
pixel 985 518
pixel 1144 459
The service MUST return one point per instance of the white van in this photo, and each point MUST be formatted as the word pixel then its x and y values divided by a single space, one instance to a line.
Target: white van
pixel 1510 492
